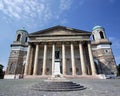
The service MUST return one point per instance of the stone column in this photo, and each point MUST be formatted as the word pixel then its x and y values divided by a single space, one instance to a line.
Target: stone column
pixel 36 60
pixel 27 60
pixel 44 59
pixel 73 60
pixel 93 69
pixel 53 57
pixel 82 60
pixel 30 71
pixel 63 59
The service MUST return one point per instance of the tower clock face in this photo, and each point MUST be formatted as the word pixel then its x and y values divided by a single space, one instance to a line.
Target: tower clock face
pixel 106 51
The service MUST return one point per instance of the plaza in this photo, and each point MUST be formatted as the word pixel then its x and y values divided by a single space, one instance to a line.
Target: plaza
pixel 94 87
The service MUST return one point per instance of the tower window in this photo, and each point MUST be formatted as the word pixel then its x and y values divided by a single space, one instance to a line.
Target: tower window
pixel 26 39
pixel 18 37
pixel 106 51
pixel 101 35
pixel 93 37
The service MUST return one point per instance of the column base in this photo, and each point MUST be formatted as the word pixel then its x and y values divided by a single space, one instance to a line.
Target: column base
pixel 94 74
pixel 35 74
pixel 84 74
pixel 25 74
pixel 43 75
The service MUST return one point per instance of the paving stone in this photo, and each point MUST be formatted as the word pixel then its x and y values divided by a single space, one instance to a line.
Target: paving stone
pixel 94 87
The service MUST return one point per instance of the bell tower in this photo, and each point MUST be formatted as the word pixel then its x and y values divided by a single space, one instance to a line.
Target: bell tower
pixel 18 53
pixel 21 36
pixel 98 33
pixel 102 52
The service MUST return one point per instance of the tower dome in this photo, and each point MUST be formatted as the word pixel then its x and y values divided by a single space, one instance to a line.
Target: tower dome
pixel 98 33
pixel 22 30
pixel 22 35
pixel 98 27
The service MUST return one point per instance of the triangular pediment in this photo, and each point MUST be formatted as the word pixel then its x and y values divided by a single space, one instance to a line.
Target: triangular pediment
pixel 59 30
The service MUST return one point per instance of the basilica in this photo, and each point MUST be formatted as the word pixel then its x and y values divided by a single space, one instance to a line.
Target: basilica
pixel 61 50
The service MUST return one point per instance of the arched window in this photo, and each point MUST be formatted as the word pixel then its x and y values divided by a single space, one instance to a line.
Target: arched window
pixel 101 35
pixel 18 37
pixel 26 39
pixel 93 37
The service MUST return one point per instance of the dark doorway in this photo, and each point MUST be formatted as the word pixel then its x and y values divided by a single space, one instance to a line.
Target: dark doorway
pixel 61 69
pixel 97 68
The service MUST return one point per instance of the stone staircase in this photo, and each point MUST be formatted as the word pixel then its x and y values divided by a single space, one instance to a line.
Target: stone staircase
pixel 57 86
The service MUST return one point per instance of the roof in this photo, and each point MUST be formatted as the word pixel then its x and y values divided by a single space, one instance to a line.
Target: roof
pixel 46 32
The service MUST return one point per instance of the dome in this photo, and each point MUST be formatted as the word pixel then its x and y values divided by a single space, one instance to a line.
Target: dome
pixel 22 29
pixel 98 27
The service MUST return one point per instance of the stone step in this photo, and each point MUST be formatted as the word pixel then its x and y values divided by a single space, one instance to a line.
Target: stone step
pixel 57 86
pixel 59 89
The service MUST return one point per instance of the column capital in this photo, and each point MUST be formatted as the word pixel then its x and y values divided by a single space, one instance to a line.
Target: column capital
pixel 37 43
pixel 53 43
pixel 63 42
pixel 89 42
pixel 81 42
pixel 72 42
pixel 29 43
pixel 45 43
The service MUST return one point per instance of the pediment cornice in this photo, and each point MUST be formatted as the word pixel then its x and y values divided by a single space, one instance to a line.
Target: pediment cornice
pixel 60 31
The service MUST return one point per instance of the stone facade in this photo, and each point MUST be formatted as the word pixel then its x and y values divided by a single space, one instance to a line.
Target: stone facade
pixel 102 52
pixel 79 55
pixel 18 53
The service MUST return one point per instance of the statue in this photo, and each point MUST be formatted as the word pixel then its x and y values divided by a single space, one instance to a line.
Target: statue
pixel 57 53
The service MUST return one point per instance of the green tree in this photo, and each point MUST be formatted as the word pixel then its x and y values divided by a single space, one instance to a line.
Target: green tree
pixel 1 71
pixel 118 69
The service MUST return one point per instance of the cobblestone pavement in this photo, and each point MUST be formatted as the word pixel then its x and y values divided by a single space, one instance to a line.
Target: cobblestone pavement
pixel 94 87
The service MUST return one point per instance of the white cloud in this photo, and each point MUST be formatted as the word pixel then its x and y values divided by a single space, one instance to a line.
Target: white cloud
pixel 1 5
pixel 28 11
pixel 65 4
pixel 20 8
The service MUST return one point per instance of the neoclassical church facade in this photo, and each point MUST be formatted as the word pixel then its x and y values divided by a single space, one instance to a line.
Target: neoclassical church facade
pixel 35 54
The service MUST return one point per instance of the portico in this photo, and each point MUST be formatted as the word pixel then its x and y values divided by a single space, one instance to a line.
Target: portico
pixel 74 49
pixel 61 51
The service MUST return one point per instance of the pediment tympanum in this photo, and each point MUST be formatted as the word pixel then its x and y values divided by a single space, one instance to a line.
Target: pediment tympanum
pixel 59 30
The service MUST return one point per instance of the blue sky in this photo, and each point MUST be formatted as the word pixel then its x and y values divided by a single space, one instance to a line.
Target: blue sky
pixel 35 15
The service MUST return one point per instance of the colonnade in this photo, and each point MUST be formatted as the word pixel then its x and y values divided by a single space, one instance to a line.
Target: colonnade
pixel 81 53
